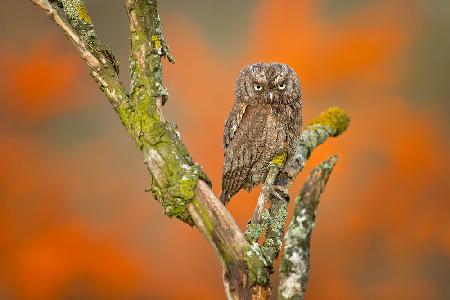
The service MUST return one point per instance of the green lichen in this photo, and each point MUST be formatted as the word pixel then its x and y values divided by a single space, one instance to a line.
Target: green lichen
pixel 255 230
pixel 258 271
pixel 273 242
pixel 76 10
pixel 223 249
pixel 334 117
pixel 181 173
pixel 205 217
pixel 294 269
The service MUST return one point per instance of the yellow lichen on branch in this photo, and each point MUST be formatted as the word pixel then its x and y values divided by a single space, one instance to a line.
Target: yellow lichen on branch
pixel 280 159
pixel 334 117
pixel 83 13
pixel 76 9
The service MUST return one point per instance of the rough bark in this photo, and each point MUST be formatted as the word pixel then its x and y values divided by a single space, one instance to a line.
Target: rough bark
pixel 294 268
pixel 178 183
pixel 330 123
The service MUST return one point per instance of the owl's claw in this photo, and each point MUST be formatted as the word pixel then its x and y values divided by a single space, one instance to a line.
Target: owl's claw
pixel 276 190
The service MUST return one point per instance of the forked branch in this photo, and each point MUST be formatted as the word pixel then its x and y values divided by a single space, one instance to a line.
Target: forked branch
pixel 177 182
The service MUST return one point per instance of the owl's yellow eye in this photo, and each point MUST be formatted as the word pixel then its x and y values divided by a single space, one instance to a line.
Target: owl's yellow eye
pixel 282 86
pixel 257 87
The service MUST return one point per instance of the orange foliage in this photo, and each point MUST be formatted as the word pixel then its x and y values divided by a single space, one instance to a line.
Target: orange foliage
pixel 36 82
pixel 70 229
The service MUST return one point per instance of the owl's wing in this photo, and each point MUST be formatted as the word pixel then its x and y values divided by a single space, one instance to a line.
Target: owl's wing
pixel 232 122
pixel 244 150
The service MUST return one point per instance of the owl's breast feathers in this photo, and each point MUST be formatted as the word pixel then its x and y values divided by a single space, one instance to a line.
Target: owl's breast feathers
pixel 262 132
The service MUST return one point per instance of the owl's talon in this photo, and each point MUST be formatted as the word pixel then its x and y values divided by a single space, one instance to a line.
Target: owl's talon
pixel 277 195
pixel 276 190
pixel 279 192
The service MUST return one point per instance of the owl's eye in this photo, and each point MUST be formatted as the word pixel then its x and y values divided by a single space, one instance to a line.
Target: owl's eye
pixel 257 87
pixel 282 86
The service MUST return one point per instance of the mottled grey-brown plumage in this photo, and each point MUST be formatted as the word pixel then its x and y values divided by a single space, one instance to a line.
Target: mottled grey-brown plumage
pixel 265 120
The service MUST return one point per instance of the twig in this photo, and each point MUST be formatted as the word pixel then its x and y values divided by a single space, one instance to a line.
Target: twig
pixel 330 123
pixel 77 26
pixel 295 263
pixel 275 229
pixel 178 183
pixel 260 219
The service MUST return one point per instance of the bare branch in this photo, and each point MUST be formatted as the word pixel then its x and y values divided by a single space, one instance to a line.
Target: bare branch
pixel 220 229
pixel 275 229
pixel 258 224
pixel 330 123
pixel 81 46
pixel 148 46
pixel 73 19
pixel 295 263
pixel 177 182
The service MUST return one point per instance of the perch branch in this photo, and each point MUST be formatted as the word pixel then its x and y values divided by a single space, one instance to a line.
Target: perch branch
pixel 242 264
pixel 177 182
pixel 330 123
pixel 295 262
pixel 258 224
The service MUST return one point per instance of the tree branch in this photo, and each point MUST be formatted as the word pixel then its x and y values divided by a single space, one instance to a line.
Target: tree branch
pixel 261 217
pixel 295 263
pixel 220 229
pixel 177 182
pixel 330 123
pixel 73 19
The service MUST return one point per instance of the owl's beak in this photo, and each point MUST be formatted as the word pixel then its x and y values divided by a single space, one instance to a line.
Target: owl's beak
pixel 271 95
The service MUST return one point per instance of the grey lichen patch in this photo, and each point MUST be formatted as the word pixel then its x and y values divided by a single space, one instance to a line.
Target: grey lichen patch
pixel 294 270
pixel 273 242
pixel 295 265
pixel 77 15
pixel 255 230
pixel 73 18
pixel 76 9
pixel 258 269
pixel 157 36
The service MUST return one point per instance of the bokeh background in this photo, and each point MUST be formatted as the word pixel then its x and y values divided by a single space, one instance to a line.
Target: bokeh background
pixel 76 222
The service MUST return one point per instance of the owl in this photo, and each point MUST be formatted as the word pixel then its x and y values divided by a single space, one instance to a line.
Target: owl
pixel 265 121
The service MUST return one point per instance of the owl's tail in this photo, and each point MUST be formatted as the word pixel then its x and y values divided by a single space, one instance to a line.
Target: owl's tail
pixel 224 198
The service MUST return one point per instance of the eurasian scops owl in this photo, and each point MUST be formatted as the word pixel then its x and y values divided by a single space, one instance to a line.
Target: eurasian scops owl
pixel 264 122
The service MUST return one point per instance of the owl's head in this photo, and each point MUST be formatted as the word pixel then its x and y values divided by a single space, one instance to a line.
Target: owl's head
pixel 269 83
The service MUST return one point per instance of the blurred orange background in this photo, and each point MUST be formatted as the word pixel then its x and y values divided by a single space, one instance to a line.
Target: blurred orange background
pixel 76 223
